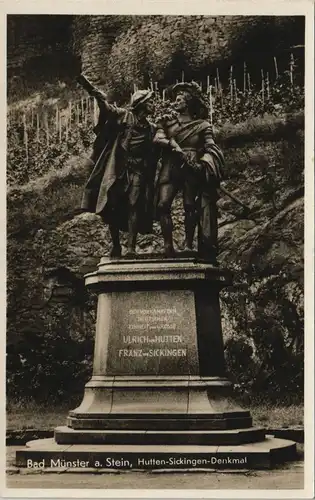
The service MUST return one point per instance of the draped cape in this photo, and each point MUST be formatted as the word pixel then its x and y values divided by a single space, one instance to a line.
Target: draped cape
pixel 106 191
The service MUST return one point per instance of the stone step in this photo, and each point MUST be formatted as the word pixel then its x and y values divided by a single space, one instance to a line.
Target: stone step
pixel 66 435
pixel 47 455
pixel 159 424
pixel 161 415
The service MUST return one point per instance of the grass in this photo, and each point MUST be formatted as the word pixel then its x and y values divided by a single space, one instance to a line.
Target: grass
pixel 23 415
pixel 30 415
pixel 277 417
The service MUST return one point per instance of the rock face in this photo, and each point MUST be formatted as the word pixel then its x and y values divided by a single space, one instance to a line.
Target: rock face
pixel 93 37
pixel 163 46
pixel 48 306
pixel 129 49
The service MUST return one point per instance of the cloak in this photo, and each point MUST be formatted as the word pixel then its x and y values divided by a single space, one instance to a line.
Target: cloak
pixel 106 191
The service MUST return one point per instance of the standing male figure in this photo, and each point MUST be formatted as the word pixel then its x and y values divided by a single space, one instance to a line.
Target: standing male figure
pixel 192 162
pixel 120 187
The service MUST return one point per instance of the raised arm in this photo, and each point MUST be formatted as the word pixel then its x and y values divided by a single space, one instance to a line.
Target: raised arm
pixel 106 109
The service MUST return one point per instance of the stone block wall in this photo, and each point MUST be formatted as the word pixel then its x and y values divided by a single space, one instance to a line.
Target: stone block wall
pixel 93 37
pixel 222 40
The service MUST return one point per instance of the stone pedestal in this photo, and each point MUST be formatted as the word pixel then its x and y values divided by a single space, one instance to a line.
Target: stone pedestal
pixel 158 377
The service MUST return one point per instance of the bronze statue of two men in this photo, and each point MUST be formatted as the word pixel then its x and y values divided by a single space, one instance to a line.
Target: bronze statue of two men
pixel 139 167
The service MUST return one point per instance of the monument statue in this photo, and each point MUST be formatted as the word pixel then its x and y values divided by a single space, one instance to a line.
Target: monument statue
pixel 191 162
pixel 120 187
pixel 158 396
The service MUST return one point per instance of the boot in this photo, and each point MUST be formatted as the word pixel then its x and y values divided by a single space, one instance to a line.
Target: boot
pixel 115 252
pixel 190 226
pixel 132 234
pixel 208 236
pixel 116 249
pixel 167 232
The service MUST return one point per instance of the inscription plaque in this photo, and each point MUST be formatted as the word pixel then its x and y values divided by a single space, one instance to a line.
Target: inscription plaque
pixel 153 333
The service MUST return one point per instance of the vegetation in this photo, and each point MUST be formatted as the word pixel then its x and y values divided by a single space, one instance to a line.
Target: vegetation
pixel 48 129
pixel 268 343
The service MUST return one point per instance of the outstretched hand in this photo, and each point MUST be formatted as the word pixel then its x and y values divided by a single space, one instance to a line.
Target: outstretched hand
pixel 81 79
pixel 175 147
pixel 90 88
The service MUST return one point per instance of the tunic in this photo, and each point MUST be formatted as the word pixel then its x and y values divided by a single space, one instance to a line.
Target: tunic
pixel 196 139
pixel 123 156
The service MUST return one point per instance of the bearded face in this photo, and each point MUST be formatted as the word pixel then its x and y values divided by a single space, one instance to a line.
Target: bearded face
pixel 149 106
pixel 146 108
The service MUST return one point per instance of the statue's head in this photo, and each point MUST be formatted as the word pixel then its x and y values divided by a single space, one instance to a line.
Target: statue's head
pixel 189 97
pixel 142 101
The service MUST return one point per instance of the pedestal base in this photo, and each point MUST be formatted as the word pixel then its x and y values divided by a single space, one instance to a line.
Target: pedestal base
pixel 159 410
pixel 133 397
pixel 65 435
pixel 158 397
pixel 47 455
